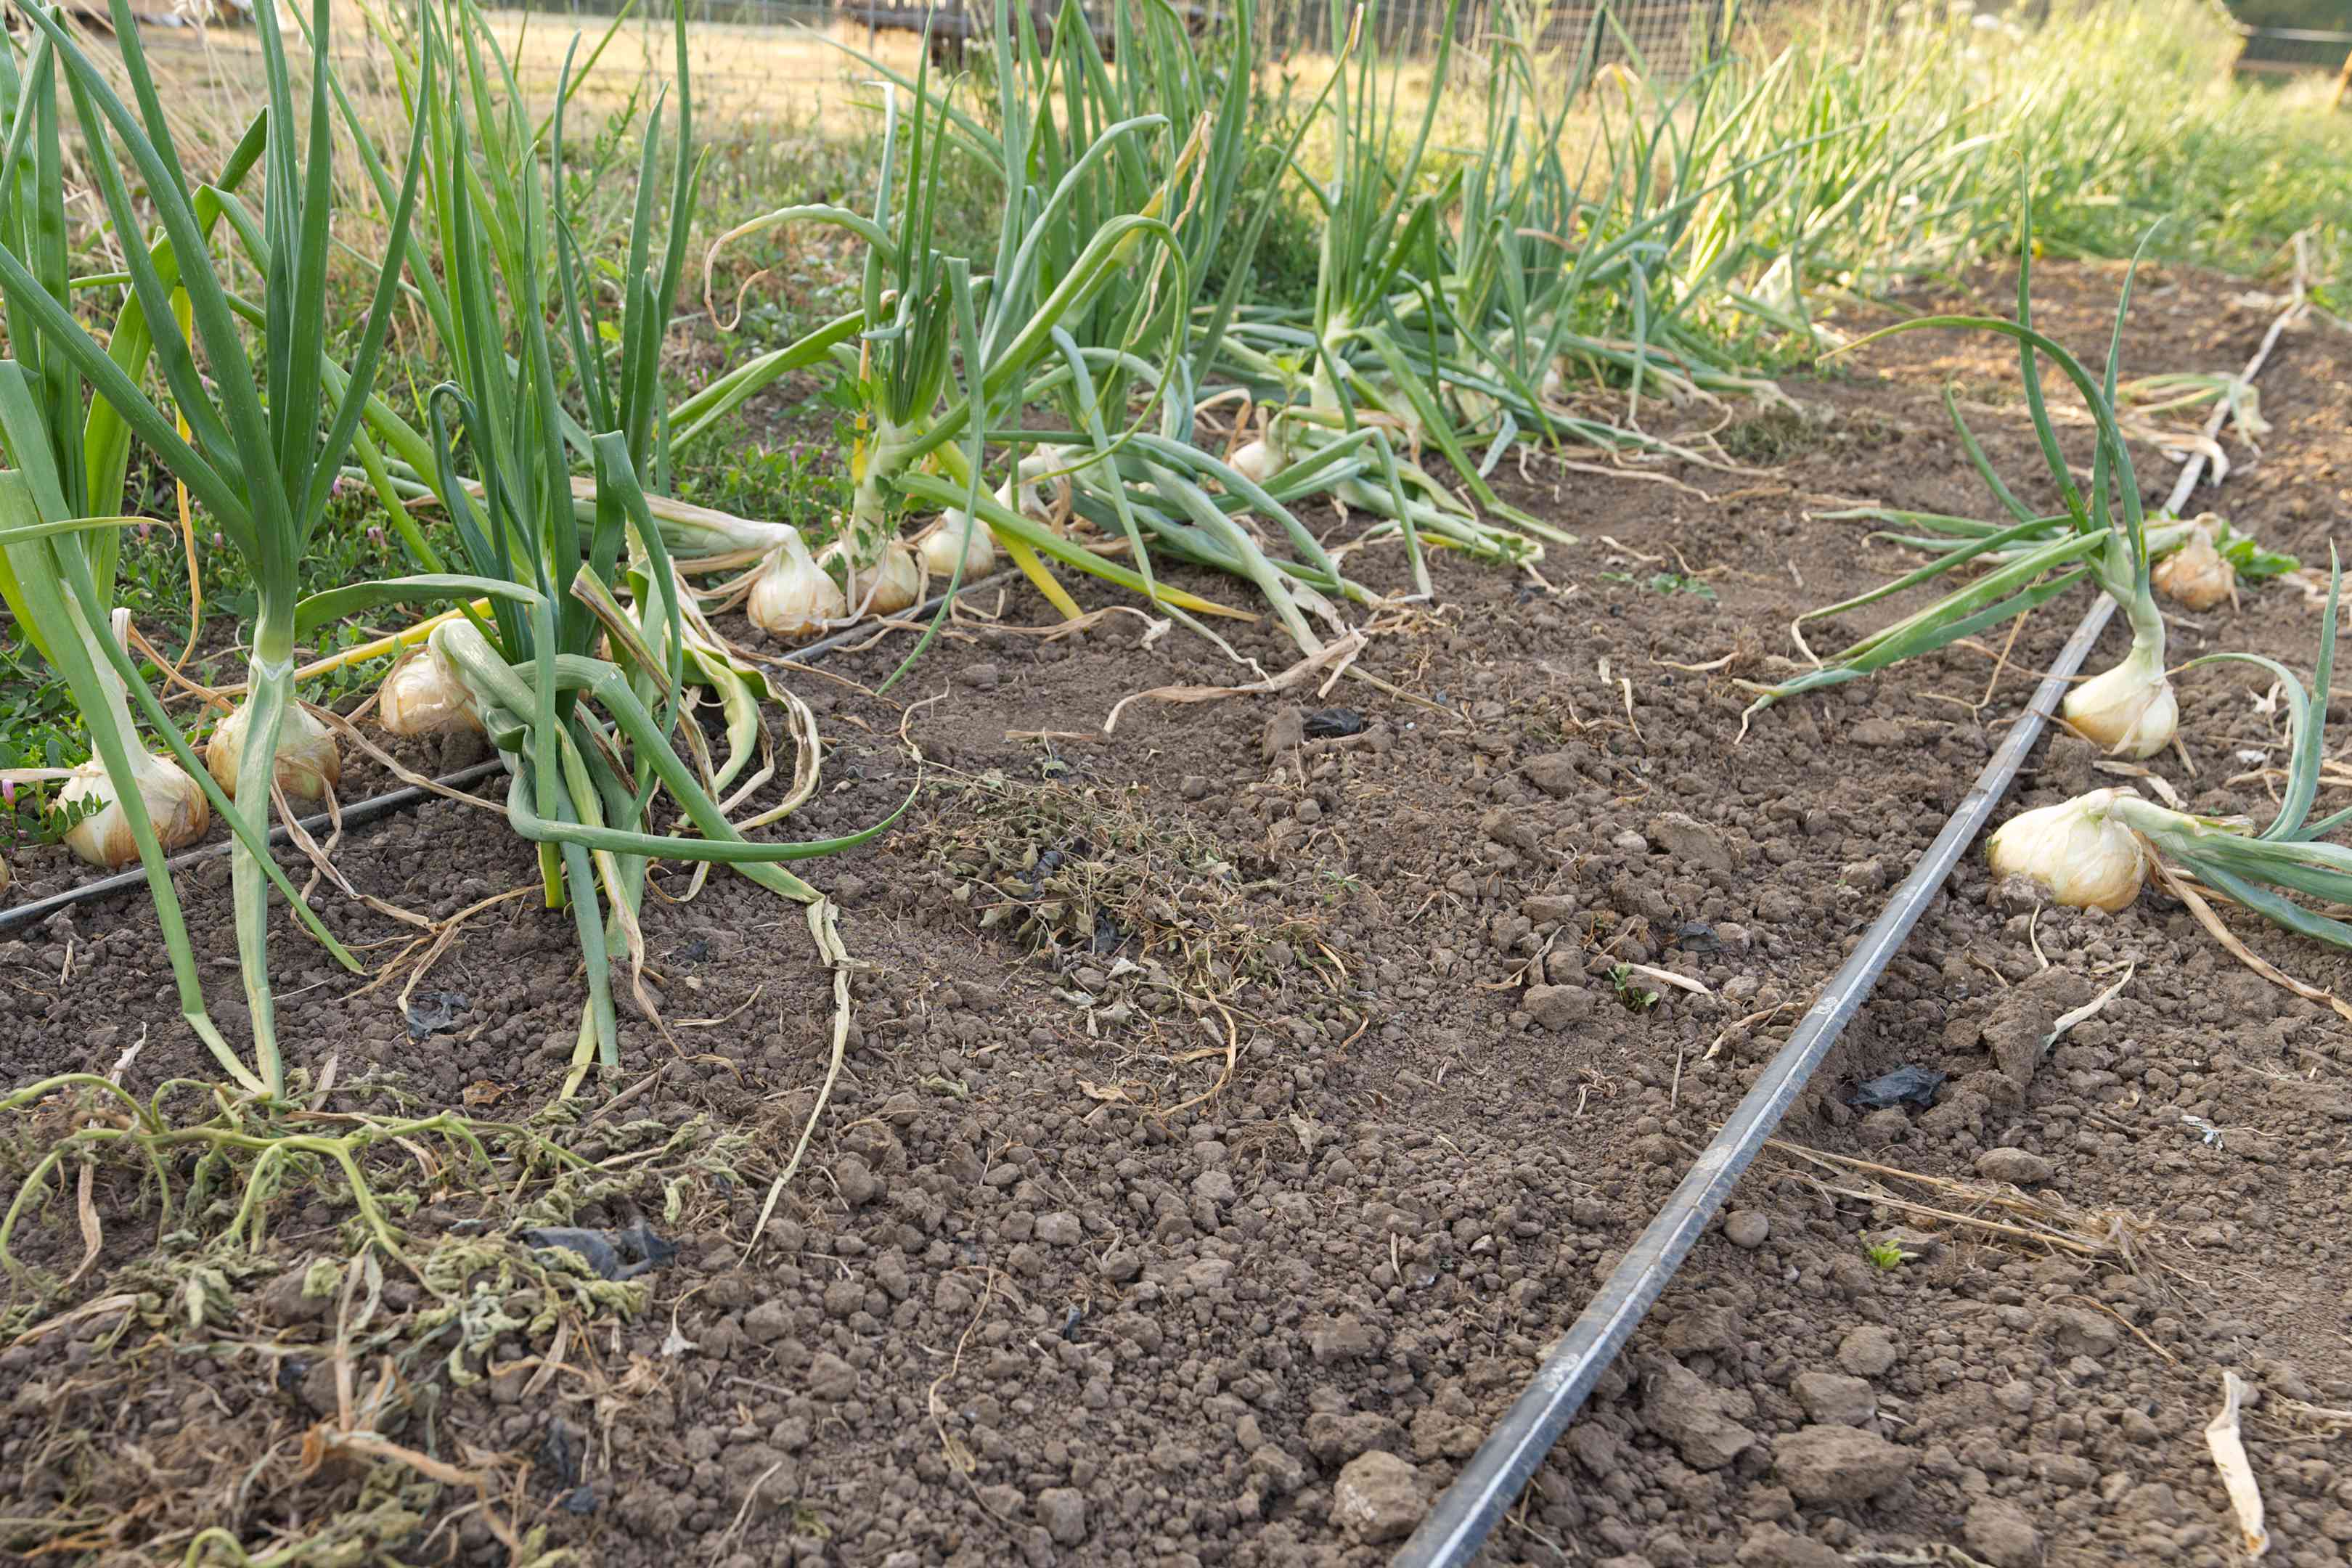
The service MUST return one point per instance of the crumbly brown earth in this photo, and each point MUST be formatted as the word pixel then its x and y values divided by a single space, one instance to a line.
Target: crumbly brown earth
pixel 1230 1117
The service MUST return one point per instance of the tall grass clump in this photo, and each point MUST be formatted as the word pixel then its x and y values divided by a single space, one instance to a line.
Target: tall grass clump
pixel 1906 126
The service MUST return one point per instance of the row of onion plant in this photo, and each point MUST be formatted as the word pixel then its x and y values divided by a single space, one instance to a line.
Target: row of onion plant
pixel 2098 848
pixel 257 459
pixel 592 742
pixel 1452 311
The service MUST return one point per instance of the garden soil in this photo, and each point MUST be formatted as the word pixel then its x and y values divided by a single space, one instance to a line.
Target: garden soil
pixel 1237 1101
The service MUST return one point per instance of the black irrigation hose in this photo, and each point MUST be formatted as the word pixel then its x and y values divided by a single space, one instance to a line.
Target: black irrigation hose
pixel 1503 1464
pixel 1453 1530
pixel 24 916
pixel 355 815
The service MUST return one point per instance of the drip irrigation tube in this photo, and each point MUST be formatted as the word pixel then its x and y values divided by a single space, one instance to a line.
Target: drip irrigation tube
pixel 356 815
pixel 1503 1465
pixel 1454 1530
pixel 360 813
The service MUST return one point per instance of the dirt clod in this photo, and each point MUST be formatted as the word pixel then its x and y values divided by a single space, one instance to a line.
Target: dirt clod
pixel 1376 1498
pixel 1833 1398
pixel 2015 1166
pixel 2079 1331
pixel 1335 1438
pixel 1554 773
pixel 832 1379
pixel 2021 1021
pixel 2001 1534
pixel 1747 1228
pixel 1769 1546
pixel 1837 1465
pixel 1867 1351
pixel 1561 1007
pixel 1062 1512
pixel 1687 1412
pixel 1690 843
pixel 1285 732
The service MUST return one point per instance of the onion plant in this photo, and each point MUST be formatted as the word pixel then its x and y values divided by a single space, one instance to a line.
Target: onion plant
pixel 1059 257
pixel 1596 272
pixel 2198 561
pixel 2102 535
pixel 258 460
pixel 1129 358
pixel 2097 848
pixel 1360 358
pixel 568 567
pixel 404 469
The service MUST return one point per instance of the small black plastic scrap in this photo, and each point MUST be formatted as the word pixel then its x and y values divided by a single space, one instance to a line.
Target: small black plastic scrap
pixel 436 1013
pixel 1907 1085
pixel 1334 724
pixel 1108 936
pixel 560 1455
pixel 612 1254
pixel 561 1452
pixel 1697 936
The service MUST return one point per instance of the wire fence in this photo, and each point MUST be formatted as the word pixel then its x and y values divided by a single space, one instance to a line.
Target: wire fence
pixel 772 64
pixel 1668 38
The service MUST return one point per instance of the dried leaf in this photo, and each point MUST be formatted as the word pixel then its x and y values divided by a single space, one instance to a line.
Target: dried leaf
pixel 2087 1011
pixel 1668 977
pixel 2239 950
pixel 87 1309
pixel 2237 1475
pixel 93 1235
pixel 1337 656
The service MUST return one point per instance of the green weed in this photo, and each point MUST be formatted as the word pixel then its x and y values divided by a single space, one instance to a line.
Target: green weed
pixel 1887 1256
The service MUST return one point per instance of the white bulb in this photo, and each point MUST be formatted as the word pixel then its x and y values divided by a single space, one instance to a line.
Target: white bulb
pixel 1256 461
pixel 2076 850
pixel 2130 710
pixel 1029 497
pixel 2196 575
pixel 791 595
pixel 939 547
pixel 308 764
pixel 176 809
pixel 421 697
pixel 894 581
